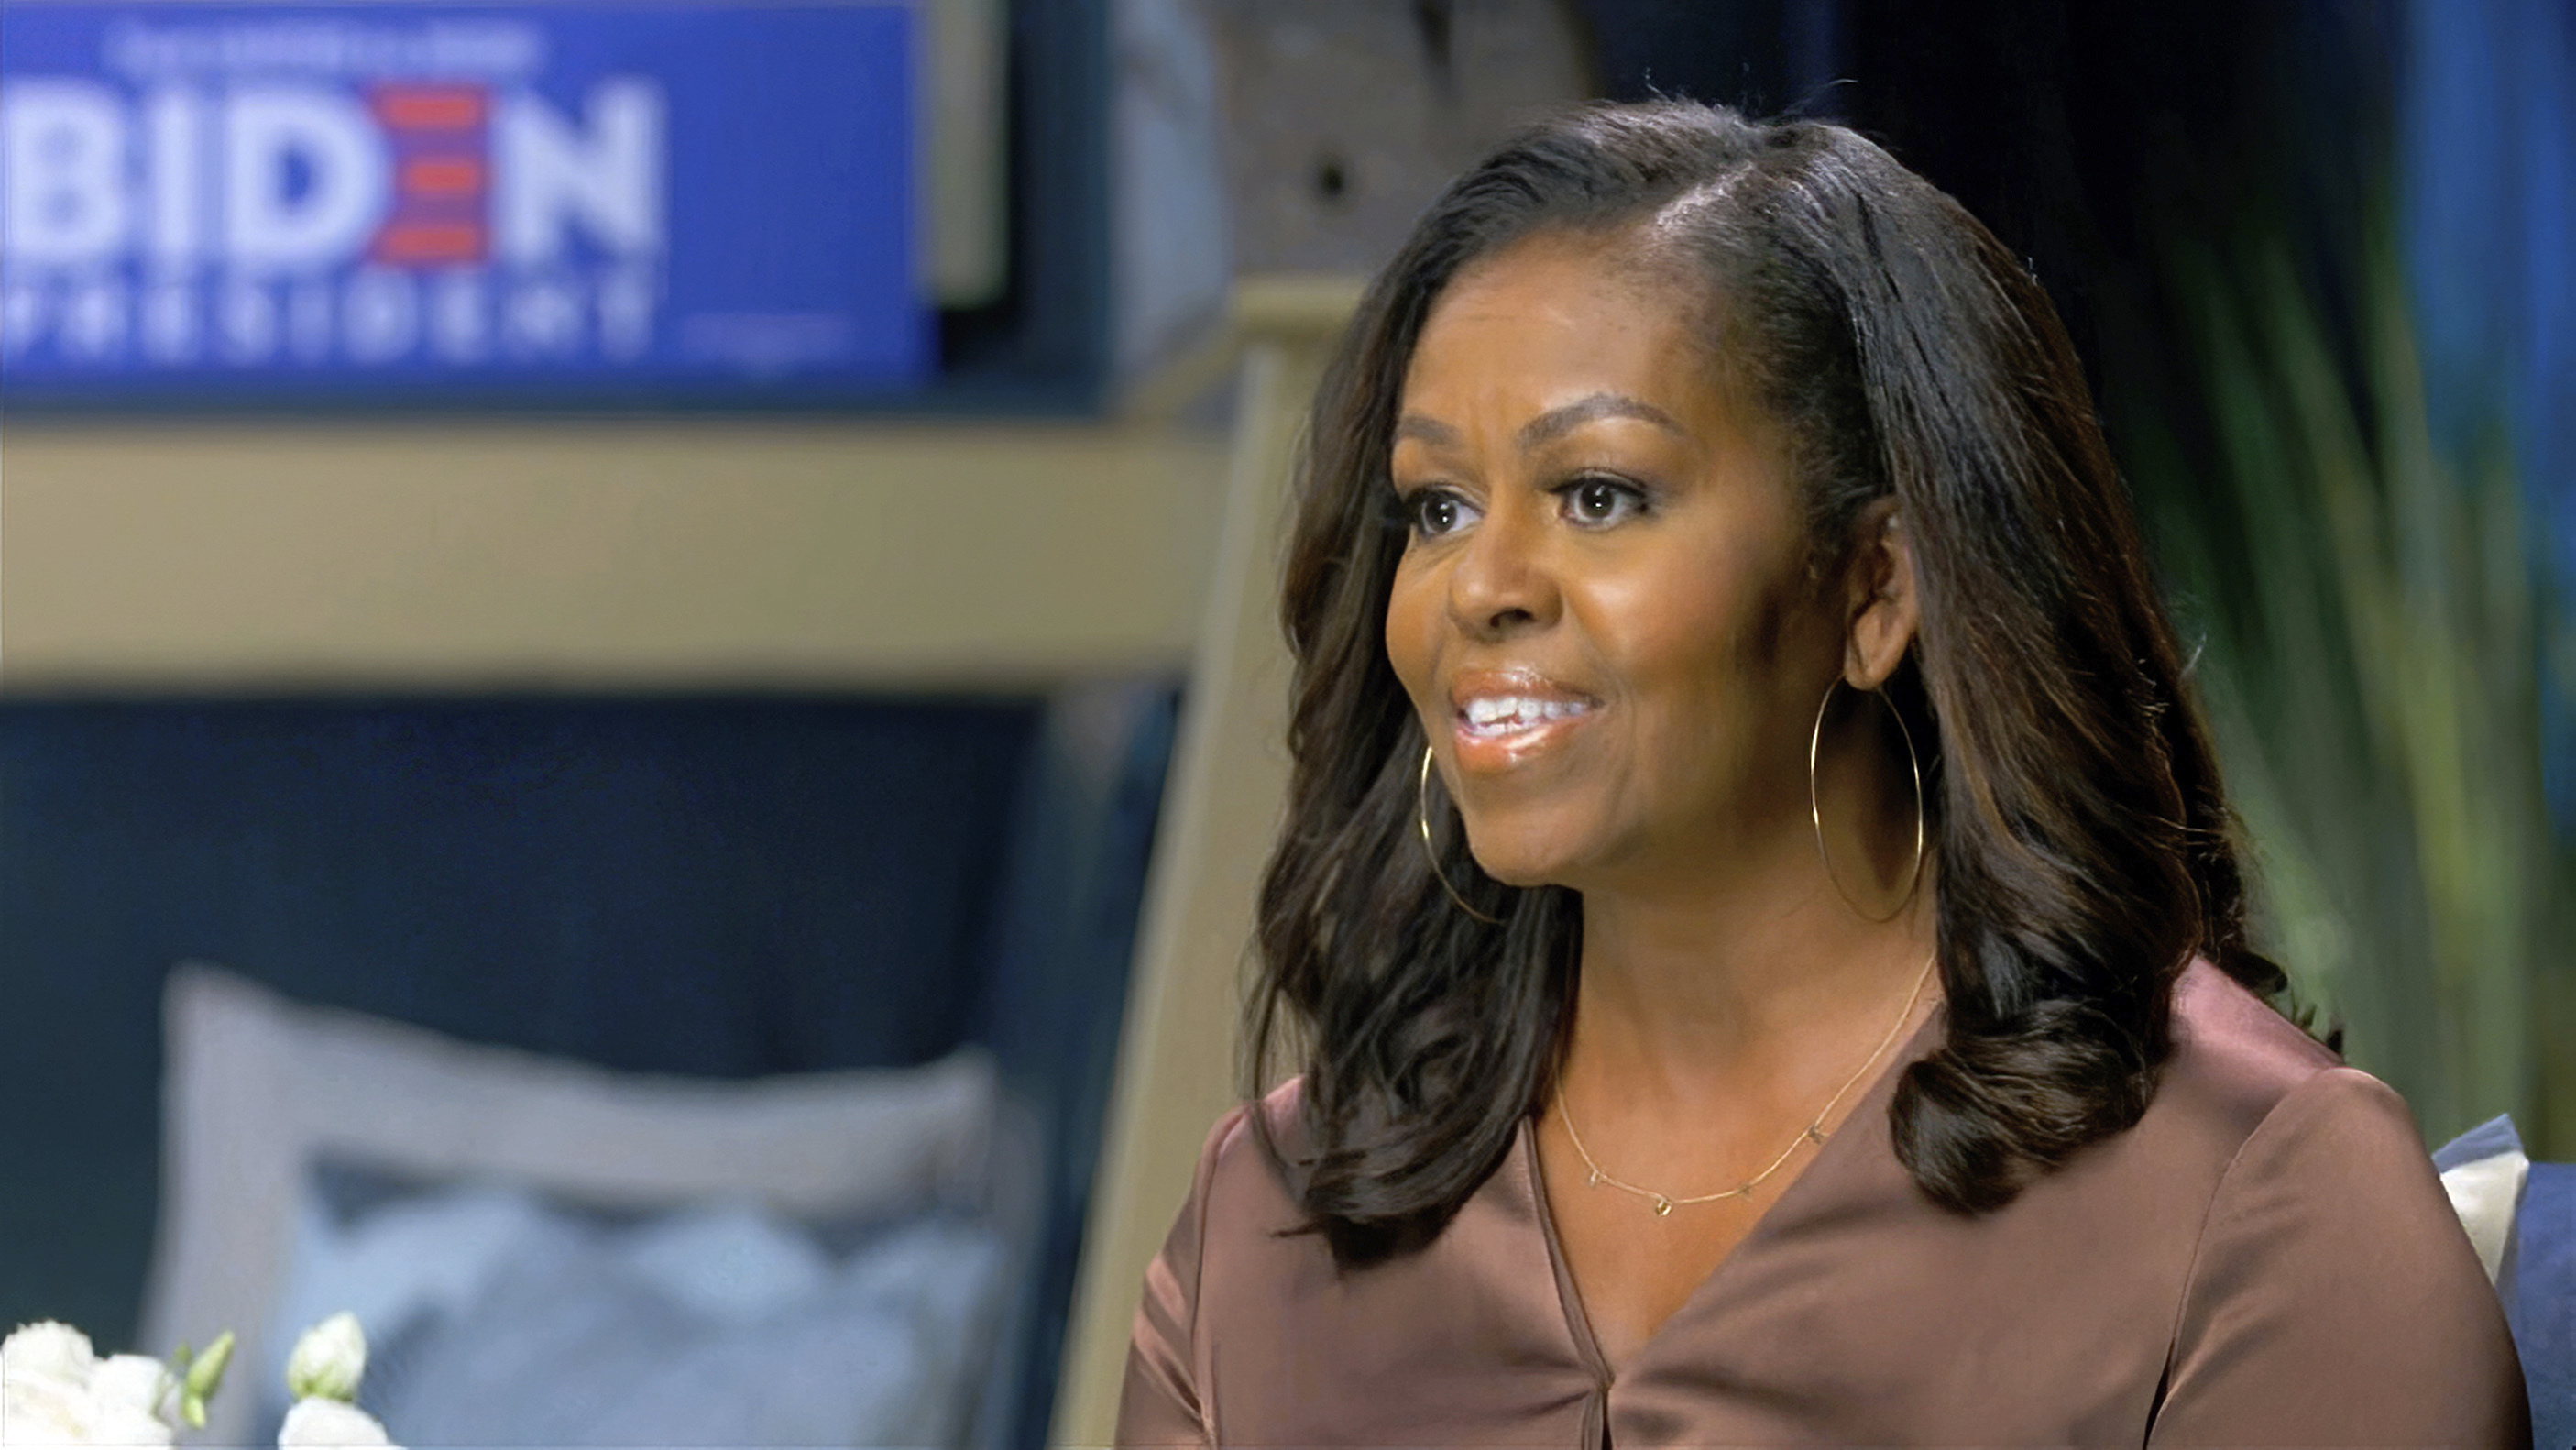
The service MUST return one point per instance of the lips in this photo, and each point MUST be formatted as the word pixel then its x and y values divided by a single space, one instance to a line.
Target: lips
pixel 1501 717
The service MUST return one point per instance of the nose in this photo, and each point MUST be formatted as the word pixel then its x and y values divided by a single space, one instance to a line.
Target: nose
pixel 1501 582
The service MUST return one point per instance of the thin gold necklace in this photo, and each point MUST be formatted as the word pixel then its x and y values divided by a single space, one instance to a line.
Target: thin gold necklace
pixel 1665 1203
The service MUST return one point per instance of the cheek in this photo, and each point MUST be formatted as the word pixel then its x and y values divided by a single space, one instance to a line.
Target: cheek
pixel 1715 638
pixel 1413 631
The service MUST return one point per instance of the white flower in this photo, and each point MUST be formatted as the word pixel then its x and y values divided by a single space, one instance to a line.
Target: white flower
pixel 114 1423
pixel 329 1360
pixel 54 1391
pixel 44 1411
pixel 47 1351
pixel 321 1424
pixel 136 1381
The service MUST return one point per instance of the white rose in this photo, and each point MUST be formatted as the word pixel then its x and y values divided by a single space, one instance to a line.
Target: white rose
pixel 319 1424
pixel 54 1412
pixel 115 1423
pixel 47 1351
pixel 54 1390
pixel 133 1380
pixel 329 1360
pixel 42 1411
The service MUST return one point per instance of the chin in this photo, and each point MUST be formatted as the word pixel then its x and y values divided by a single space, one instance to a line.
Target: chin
pixel 1514 874
pixel 1524 858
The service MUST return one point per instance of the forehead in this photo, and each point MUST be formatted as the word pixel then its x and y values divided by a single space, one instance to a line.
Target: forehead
pixel 1558 315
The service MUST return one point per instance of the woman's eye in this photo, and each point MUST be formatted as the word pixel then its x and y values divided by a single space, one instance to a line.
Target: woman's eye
pixel 1434 512
pixel 1598 502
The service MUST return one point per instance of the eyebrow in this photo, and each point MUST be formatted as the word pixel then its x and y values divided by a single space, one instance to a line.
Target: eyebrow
pixel 1425 430
pixel 1555 423
pixel 1551 425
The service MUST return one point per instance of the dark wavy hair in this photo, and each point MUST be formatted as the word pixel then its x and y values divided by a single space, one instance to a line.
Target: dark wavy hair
pixel 2072 794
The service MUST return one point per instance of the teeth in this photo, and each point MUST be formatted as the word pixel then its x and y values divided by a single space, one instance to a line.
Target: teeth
pixel 1517 711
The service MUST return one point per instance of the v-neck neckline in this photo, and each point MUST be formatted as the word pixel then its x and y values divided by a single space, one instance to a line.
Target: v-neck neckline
pixel 1766 1225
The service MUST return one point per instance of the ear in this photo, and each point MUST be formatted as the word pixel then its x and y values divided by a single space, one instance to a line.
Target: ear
pixel 1880 607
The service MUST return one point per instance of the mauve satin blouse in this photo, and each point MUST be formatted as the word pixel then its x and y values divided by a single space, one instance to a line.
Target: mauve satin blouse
pixel 2266 1259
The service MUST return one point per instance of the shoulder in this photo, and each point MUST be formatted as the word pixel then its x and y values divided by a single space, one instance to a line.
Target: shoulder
pixel 1237 1200
pixel 1242 1154
pixel 1240 1238
pixel 2327 1252
pixel 1243 1190
pixel 2249 1105
pixel 2234 1058
pixel 2279 1112
pixel 2292 1133
pixel 2231 1051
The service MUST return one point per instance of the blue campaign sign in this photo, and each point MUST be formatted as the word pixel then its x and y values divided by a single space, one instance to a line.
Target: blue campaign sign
pixel 563 201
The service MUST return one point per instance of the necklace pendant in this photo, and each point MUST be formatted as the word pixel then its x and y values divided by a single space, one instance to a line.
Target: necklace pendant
pixel 1816 1131
pixel 1663 1206
pixel 1595 1181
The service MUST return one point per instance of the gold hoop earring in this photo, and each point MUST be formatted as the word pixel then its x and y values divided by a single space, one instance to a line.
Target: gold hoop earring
pixel 1816 812
pixel 1422 818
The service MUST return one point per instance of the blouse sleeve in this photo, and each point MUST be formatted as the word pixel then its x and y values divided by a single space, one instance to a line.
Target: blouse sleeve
pixel 1160 1404
pixel 2334 1299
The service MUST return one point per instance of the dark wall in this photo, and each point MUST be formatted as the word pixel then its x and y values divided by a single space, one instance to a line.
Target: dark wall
pixel 2083 134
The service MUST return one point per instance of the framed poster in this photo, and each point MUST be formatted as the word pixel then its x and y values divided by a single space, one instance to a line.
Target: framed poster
pixel 548 202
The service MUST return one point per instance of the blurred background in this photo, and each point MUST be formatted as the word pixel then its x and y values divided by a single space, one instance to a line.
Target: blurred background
pixel 637 694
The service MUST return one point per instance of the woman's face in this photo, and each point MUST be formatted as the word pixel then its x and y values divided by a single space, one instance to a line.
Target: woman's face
pixel 1603 612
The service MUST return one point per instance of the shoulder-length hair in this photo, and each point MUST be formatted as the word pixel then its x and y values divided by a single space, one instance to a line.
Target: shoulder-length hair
pixel 2072 794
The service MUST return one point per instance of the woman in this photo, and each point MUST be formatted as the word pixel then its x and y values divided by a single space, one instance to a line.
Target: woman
pixel 1757 913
